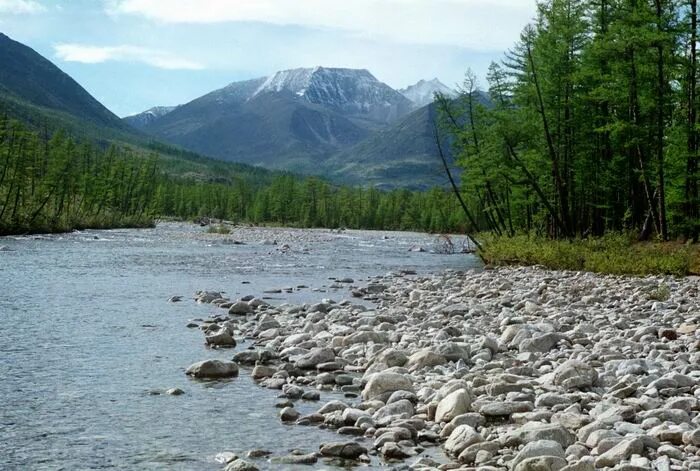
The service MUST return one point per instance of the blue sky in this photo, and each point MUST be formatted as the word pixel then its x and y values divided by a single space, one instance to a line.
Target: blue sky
pixel 134 54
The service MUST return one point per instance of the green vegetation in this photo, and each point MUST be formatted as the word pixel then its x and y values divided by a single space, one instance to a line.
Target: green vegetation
pixel 218 229
pixel 592 128
pixel 613 253
pixel 56 183
pixel 309 202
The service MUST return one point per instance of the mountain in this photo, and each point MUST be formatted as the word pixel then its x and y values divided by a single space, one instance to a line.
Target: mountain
pixel 402 155
pixel 423 92
pixel 292 120
pixel 36 92
pixel 141 120
pixel 28 81
pixel 352 92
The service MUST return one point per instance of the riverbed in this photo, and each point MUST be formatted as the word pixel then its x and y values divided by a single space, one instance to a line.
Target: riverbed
pixel 89 340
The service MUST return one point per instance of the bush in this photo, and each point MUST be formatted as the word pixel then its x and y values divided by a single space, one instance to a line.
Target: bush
pixel 218 229
pixel 614 254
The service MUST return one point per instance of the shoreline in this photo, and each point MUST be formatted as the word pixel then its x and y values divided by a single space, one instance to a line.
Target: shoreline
pixel 506 368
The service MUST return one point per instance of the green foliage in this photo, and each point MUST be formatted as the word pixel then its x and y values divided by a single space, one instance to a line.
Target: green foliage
pixel 613 253
pixel 660 293
pixel 592 126
pixel 57 184
pixel 218 229
pixel 60 184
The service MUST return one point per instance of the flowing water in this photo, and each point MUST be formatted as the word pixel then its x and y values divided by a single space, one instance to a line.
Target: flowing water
pixel 87 334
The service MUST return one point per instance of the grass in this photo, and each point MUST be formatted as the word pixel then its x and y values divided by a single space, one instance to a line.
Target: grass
pixel 218 229
pixel 617 254
pixel 63 226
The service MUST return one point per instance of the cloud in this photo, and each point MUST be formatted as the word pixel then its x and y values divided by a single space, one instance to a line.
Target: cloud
pixel 477 24
pixel 19 7
pixel 88 54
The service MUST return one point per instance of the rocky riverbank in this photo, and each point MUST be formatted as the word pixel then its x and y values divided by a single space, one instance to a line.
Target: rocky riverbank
pixel 509 368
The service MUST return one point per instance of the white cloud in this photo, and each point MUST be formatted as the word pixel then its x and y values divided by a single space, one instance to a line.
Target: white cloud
pixel 477 24
pixel 19 7
pixel 88 54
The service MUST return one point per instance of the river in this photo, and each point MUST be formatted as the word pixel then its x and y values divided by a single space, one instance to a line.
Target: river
pixel 87 336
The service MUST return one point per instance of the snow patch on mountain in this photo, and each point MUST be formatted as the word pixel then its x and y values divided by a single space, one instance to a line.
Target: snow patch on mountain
pixel 350 90
pixel 423 92
pixel 146 117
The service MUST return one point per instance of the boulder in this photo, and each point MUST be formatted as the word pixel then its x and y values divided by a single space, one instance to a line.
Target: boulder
pixel 460 438
pixel 385 382
pixel 212 369
pixel 534 431
pixel 221 338
pixel 575 374
pixel 536 449
pixel 622 451
pixel 345 450
pixel 240 308
pixel 315 357
pixel 456 403
pixel 424 358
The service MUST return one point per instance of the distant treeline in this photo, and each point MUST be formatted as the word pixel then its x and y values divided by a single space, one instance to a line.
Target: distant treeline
pixel 55 183
pixel 593 124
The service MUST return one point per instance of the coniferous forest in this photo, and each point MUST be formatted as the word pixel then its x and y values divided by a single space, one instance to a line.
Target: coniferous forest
pixel 591 125
pixel 55 183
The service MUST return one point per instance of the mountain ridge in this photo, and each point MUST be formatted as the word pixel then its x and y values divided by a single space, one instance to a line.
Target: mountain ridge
pixel 319 120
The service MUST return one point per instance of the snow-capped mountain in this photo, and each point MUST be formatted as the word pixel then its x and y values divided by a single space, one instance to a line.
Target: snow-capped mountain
pixel 423 92
pixel 352 91
pixel 141 120
pixel 302 119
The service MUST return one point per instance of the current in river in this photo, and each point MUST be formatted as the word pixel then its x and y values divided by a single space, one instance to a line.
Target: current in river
pixel 88 337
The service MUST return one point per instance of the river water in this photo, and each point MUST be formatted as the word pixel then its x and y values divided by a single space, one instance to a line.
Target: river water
pixel 87 335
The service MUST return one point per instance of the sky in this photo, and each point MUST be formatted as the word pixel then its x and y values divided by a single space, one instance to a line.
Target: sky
pixel 135 54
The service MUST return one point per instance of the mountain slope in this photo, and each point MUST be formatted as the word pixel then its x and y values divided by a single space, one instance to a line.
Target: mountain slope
pixel 292 120
pixel 423 92
pixel 403 155
pixel 37 93
pixel 141 120
pixel 352 92
pixel 27 76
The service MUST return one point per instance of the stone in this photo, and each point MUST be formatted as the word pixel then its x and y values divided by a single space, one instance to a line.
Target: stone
pixel 240 465
pixel 289 414
pixel 262 371
pixel 539 448
pixel 385 382
pixel 221 338
pixel 541 343
pixel 535 431
pixel 454 404
pixel 453 351
pixel 460 438
pixel 496 409
pixel 240 308
pixel 315 357
pixel 345 450
pixel 575 374
pixel 541 463
pixel 212 369
pixel 424 359
pixel 622 451
pixel 309 458
pixel 402 409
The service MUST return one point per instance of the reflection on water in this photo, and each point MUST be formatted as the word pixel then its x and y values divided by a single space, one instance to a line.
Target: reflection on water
pixel 86 334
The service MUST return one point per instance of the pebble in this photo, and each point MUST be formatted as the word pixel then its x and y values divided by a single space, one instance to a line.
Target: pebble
pixel 515 368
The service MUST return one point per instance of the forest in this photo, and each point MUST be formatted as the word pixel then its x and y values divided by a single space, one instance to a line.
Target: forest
pixel 590 126
pixel 55 183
